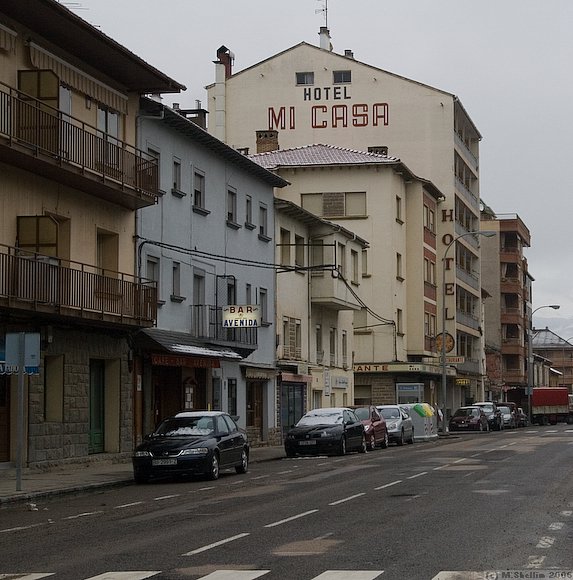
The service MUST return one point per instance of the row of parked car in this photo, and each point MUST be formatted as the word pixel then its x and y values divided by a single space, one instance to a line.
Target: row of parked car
pixel 488 416
pixel 336 430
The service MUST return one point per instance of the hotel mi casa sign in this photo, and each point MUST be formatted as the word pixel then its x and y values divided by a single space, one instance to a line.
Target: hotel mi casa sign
pixel 245 316
pixel 328 107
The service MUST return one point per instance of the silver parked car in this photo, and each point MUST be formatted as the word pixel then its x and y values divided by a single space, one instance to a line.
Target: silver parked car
pixel 398 423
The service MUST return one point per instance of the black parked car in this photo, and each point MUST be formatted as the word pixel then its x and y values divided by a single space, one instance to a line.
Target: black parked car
pixel 194 442
pixel 332 431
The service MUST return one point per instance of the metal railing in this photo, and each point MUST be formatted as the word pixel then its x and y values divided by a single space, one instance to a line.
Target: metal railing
pixel 34 125
pixel 30 281
pixel 207 324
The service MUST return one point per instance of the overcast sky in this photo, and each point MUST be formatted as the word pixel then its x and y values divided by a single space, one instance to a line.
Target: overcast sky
pixel 509 61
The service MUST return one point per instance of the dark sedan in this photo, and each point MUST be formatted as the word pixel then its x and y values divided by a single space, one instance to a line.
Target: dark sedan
pixel 194 442
pixel 374 426
pixel 471 418
pixel 327 431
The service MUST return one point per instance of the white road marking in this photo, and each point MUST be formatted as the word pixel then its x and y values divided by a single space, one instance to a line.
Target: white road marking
pixel 441 467
pixel 388 485
pixel 83 515
pixel 126 505
pixel 458 575
pixel 259 477
pixel 235 575
pixel 286 520
pixel 166 497
pixel 535 561
pixel 566 513
pixel 349 575
pixel 514 443
pixel 17 530
pixel 553 431
pixel 545 542
pixel 417 475
pixel 216 544
pixel 568 430
pixel 556 526
pixel 532 431
pixel 475 454
pixel 33 576
pixel 237 482
pixel 460 460
pixel 347 499
pixel 132 575
pixel 206 488
pixel 283 472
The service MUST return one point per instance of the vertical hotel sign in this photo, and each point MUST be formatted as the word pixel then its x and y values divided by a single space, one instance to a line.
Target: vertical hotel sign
pixel 245 316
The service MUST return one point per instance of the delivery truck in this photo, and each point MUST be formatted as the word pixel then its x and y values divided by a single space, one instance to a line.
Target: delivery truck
pixel 551 405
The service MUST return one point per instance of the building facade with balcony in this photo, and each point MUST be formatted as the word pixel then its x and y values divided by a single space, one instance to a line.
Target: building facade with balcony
pixel 311 94
pixel 506 277
pixel 557 352
pixel 209 243
pixel 318 279
pixel 394 279
pixel 71 179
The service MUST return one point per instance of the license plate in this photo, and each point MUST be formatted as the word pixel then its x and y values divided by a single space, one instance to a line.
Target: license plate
pixel 164 462
pixel 311 442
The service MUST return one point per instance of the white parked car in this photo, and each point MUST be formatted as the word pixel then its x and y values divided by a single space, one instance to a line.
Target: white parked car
pixel 398 423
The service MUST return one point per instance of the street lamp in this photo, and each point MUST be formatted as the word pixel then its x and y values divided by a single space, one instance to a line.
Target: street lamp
pixel 530 356
pixel 486 234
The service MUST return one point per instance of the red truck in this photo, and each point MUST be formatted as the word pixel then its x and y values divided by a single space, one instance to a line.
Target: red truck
pixel 549 405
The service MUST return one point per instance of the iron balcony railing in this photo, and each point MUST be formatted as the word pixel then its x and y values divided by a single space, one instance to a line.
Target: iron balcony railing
pixel 207 324
pixel 34 125
pixel 30 281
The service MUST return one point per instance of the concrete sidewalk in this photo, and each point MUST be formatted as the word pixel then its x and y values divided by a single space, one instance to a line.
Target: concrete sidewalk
pixel 36 483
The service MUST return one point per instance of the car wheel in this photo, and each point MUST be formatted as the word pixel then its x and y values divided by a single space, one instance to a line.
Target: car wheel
pixel 244 466
pixel 290 453
pixel 401 440
pixel 372 443
pixel 385 442
pixel 342 447
pixel 411 440
pixel 140 479
pixel 363 446
pixel 214 471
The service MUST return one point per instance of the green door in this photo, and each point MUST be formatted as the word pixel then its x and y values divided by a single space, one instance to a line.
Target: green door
pixel 97 406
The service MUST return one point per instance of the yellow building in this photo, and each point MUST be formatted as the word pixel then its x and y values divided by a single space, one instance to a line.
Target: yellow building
pixel 71 179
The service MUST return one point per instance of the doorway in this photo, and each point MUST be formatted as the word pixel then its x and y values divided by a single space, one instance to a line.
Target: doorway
pixel 97 406
pixel 292 404
pixel 255 391
pixel 4 418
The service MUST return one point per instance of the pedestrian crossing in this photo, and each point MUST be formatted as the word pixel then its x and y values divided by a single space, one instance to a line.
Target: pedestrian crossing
pixel 215 575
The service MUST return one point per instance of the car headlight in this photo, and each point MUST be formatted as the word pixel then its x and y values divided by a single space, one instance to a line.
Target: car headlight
pixel 142 454
pixel 393 425
pixel 195 451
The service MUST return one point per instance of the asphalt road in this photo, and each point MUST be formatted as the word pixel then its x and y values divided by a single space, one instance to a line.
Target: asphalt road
pixel 474 503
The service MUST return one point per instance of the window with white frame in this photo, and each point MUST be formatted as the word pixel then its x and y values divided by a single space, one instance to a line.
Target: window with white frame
pixel 249 211
pixel 264 306
pixel 304 78
pixel 344 349
pixel 199 189
pixel 335 204
pixel 152 272
pixel 285 247
pixel 333 345
pixel 354 266
pixel 176 175
pixel 429 271
pixel 231 206
pixel 365 271
pixel 341 77
pixel 341 250
pixel 299 251
pixel 429 219
pixel 399 273
pixel 399 321
pixel 399 209
pixel 176 280
pixel 318 344
pixel 263 221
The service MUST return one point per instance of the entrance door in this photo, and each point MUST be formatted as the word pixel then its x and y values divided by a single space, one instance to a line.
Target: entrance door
pixel 97 406
pixel 4 418
pixel 255 405
pixel 292 404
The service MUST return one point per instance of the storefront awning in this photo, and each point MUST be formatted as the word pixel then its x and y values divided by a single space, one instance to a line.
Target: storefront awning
pixel 181 344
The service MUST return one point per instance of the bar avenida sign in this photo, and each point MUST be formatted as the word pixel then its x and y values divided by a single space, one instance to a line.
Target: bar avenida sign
pixel 246 316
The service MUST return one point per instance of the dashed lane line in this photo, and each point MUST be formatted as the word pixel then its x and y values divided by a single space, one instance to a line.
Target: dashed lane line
pixel 337 502
pixel 126 505
pixel 388 485
pixel 417 475
pixel 162 497
pixel 286 520
pixel 83 515
pixel 216 544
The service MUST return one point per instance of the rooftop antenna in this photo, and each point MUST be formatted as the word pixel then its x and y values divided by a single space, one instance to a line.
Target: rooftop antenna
pixel 323 10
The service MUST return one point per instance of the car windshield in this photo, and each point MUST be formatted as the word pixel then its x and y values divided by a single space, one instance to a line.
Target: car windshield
pixel 362 413
pixel 464 412
pixel 504 409
pixel 185 426
pixel 390 413
pixel 487 408
pixel 334 418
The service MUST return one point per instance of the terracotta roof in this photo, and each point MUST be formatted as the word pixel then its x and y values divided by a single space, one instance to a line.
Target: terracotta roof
pixel 320 154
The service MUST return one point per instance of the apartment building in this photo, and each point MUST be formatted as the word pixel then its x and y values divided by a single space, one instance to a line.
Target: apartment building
pixel 393 280
pixel 71 180
pixel 209 244
pixel 320 263
pixel 311 94
pixel 506 278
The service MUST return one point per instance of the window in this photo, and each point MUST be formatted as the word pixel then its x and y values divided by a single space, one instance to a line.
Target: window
pixel 248 294
pixel 176 282
pixel 263 222
pixel 317 257
pixel 152 271
pixel 399 209
pixel 429 219
pixel 335 204
pixel 199 189
pixel 318 344
pixel 341 259
pixel 299 251
pixel 285 247
pixel 305 78
pixel 263 305
pixel 249 212
pixel 232 396
pixel 292 344
pixel 341 77
pixel 429 272
pixel 37 234
pixel 54 388
pixel 399 321
pixel 200 316
pixel 354 266
pixel 429 324
pixel 399 267
pixel 152 152
pixel 231 206
pixel 176 177
pixel 344 349
pixel 332 347
pixel 365 263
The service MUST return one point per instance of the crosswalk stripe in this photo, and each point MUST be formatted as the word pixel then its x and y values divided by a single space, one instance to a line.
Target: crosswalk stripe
pixel 349 575
pixel 235 575
pixel 24 576
pixel 131 575
pixel 461 575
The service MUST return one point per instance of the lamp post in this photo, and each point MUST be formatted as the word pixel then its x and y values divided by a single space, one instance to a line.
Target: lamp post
pixel 530 356
pixel 486 234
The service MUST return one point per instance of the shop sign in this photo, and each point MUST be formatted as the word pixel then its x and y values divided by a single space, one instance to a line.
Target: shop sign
pixel 241 316
pixel 169 360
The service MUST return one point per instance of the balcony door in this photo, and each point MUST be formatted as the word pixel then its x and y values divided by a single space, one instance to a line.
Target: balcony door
pixel 97 406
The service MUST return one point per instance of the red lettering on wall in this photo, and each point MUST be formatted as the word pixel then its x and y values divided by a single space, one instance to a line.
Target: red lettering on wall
pixel 360 115
pixel 380 112
pixel 277 121
pixel 339 113
pixel 291 117
pixel 316 109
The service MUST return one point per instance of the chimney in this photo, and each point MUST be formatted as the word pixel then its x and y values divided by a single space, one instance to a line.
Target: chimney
pixel 379 150
pixel 267 141
pixel 226 58
pixel 324 35
pixel 348 53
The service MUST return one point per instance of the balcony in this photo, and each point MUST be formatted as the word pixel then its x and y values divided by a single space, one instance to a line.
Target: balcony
pixel 330 291
pixel 207 325
pixel 45 285
pixel 512 315
pixel 40 139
